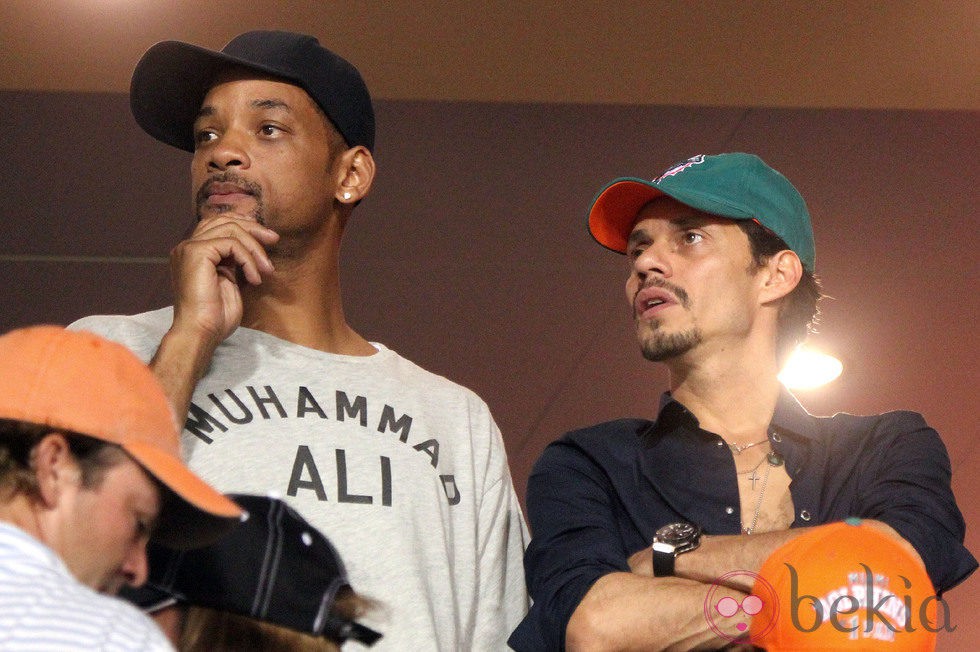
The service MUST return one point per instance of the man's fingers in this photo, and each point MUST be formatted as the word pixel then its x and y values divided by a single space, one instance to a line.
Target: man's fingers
pixel 207 228
pixel 222 255
pixel 229 253
pixel 252 236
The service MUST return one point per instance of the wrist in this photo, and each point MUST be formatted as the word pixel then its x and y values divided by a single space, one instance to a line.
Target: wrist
pixel 194 335
pixel 187 347
pixel 180 361
pixel 670 542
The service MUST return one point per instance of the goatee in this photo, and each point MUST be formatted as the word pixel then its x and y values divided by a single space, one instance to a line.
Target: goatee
pixel 657 346
pixel 250 187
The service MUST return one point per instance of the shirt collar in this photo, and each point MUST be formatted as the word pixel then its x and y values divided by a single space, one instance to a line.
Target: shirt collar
pixel 792 418
pixel 789 417
pixel 30 546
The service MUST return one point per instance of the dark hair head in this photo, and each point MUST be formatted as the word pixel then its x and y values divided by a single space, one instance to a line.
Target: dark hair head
pixel 274 553
pixel 213 630
pixel 17 441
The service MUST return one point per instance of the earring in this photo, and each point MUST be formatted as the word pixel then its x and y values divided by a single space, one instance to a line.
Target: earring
pixel 347 195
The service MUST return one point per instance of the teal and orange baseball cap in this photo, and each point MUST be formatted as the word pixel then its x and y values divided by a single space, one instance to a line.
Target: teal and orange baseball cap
pixel 844 586
pixel 735 185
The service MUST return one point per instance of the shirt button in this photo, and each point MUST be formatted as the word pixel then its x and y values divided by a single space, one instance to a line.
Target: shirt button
pixel 804 515
pixel 729 510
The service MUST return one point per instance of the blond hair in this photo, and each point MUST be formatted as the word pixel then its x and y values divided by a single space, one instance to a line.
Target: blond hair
pixel 210 630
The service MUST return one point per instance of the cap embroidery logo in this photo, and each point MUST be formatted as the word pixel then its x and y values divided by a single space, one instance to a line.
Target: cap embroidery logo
pixel 869 594
pixel 677 169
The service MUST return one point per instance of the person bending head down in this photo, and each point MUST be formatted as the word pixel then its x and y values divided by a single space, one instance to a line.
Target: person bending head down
pixel 90 470
pixel 275 583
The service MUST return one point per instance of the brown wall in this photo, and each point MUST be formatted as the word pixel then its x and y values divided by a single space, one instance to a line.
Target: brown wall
pixel 471 256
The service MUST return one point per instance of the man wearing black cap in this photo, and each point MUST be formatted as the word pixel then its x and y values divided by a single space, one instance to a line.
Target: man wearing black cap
pixel 404 470
pixel 274 581
pixel 642 528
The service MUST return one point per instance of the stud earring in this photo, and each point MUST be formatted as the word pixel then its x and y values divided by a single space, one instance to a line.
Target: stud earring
pixel 346 195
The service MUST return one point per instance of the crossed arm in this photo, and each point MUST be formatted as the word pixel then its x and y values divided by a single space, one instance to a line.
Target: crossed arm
pixel 626 611
pixel 589 565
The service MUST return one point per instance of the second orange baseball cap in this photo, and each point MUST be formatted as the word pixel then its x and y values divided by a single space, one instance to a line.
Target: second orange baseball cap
pixel 844 586
pixel 82 383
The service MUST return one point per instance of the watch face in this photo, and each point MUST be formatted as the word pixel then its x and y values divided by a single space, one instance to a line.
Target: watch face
pixel 677 533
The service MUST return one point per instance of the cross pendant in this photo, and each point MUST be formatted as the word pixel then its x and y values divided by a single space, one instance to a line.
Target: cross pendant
pixel 754 478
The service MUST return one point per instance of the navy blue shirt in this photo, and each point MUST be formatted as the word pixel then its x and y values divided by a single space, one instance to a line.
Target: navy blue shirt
pixel 598 495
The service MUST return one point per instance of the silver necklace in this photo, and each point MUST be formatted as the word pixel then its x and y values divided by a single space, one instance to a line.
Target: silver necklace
pixel 758 502
pixel 753 476
pixel 774 459
pixel 738 448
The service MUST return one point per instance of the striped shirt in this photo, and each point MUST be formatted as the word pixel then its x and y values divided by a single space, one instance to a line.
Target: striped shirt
pixel 44 608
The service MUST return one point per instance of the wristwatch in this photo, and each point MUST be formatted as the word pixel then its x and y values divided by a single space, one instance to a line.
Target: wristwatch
pixel 670 541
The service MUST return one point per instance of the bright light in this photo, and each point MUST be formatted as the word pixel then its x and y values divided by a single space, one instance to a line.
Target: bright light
pixel 807 369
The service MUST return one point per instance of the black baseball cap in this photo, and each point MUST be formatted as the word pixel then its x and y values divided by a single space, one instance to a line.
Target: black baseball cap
pixel 172 78
pixel 273 567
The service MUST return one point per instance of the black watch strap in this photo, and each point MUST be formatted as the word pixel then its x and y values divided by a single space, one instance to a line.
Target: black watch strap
pixel 663 564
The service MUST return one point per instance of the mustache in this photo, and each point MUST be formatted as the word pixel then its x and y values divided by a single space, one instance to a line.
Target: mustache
pixel 656 282
pixel 248 186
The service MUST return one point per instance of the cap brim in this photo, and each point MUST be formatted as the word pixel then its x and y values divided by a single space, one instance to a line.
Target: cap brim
pixel 615 208
pixel 169 84
pixel 148 597
pixel 192 513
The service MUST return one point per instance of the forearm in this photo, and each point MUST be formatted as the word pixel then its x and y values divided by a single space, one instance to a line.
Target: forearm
pixel 205 271
pixel 179 363
pixel 719 556
pixel 624 611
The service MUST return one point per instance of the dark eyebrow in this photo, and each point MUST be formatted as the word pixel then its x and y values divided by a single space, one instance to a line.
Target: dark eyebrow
pixel 208 110
pixel 682 223
pixel 270 104
pixel 692 221
pixel 636 236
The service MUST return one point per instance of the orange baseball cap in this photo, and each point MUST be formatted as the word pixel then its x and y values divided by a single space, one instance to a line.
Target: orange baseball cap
pixel 82 383
pixel 844 586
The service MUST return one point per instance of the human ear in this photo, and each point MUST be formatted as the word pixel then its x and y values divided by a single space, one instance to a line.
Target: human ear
pixel 357 169
pixel 55 467
pixel 783 272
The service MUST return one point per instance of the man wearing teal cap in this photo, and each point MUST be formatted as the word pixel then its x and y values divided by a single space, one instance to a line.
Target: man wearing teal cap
pixel 641 527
